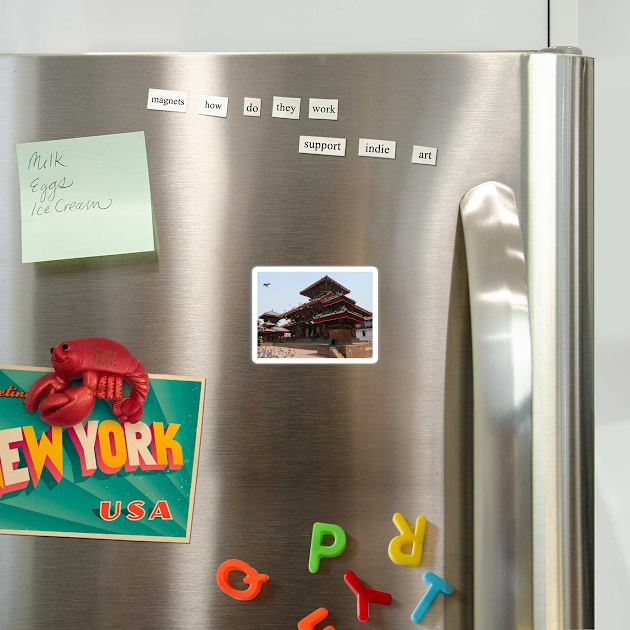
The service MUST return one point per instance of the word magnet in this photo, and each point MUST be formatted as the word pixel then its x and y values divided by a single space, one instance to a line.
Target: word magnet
pixel 377 148
pixel 407 537
pixel 285 107
pixel 424 155
pixel 167 100
pixel 252 577
pixel 365 596
pixel 213 105
pixel 322 146
pixel 319 550
pixel 251 106
pixel 323 108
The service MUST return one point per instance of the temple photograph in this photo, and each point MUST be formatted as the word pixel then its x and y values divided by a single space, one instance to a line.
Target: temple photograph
pixel 309 314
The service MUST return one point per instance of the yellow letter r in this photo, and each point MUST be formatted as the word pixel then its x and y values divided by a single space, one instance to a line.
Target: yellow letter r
pixel 407 537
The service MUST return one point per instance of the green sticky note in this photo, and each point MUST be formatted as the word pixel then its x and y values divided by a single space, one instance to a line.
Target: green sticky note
pixel 85 197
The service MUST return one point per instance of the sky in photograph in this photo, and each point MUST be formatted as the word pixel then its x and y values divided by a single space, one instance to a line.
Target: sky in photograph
pixel 283 293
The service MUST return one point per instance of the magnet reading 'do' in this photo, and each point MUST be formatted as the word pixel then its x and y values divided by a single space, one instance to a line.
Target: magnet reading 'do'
pixel 102 364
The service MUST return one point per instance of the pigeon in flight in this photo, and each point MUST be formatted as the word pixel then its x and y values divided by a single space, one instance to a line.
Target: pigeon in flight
pixel 266 284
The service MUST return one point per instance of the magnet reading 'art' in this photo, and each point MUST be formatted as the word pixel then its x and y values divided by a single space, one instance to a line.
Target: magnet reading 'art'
pixel 252 577
pixel 102 364
pixel 407 537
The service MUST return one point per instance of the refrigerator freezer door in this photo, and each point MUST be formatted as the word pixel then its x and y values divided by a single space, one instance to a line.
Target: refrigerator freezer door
pixel 284 446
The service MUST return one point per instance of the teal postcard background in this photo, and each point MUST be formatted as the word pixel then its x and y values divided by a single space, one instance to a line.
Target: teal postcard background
pixel 72 505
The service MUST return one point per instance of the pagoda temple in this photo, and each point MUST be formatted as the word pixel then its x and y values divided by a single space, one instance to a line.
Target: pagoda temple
pixel 328 314
pixel 268 329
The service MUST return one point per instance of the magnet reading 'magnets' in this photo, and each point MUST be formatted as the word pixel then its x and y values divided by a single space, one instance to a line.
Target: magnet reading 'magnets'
pixel 102 364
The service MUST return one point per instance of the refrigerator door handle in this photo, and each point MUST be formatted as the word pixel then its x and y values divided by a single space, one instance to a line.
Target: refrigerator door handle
pixel 502 374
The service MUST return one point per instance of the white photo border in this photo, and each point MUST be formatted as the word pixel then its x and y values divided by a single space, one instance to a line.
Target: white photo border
pixel 315 361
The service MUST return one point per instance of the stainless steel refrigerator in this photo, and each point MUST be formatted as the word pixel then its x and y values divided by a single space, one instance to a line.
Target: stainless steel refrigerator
pixel 478 413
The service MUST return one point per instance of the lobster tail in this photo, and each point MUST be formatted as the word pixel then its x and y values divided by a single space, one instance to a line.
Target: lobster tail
pixel 139 381
pixel 130 409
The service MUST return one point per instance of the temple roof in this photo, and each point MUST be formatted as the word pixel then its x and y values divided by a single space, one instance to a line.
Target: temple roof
pixel 351 304
pixel 273 329
pixel 324 285
pixel 353 317
pixel 269 314
pixel 299 308
pixel 327 301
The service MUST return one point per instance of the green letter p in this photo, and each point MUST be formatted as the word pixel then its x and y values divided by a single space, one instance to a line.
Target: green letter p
pixel 319 551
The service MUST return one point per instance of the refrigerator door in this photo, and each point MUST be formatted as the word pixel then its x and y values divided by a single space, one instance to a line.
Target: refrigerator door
pixel 284 446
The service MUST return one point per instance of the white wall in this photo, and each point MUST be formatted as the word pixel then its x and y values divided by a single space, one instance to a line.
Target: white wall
pixel 278 25
pixel 364 337
pixel 603 29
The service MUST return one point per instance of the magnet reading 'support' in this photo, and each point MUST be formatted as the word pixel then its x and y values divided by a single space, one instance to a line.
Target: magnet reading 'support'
pixel 102 364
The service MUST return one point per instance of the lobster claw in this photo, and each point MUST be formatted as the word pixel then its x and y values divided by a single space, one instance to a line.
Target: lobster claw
pixel 43 386
pixel 68 408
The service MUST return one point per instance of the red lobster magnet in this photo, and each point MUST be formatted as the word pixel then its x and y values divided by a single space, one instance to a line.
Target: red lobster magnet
pixel 102 364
